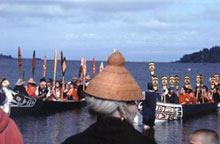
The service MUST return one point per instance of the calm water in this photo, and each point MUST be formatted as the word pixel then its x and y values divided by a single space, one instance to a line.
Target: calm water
pixel 57 127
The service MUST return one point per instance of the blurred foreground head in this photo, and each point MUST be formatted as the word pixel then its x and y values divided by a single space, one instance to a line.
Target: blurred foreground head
pixel 113 91
pixel 204 136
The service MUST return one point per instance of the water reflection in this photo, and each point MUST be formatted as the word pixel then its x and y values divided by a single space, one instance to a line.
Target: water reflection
pixel 53 128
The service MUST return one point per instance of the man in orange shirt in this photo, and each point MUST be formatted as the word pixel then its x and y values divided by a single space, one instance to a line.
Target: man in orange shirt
pixel 31 88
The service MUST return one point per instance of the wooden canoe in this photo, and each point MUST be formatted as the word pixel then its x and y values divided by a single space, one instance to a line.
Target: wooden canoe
pixel 24 105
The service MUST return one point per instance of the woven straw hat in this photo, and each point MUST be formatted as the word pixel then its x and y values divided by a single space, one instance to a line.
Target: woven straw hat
pixel 115 82
pixel 31 81
pixel 5 83
pixel 19 82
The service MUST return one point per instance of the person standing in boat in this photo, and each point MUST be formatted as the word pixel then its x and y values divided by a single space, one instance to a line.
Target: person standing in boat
pixel 111 95
pixel 171 97
pixel 9 133
pixel 31 88
pixel 19 87
pixel 42 91
pixel 149 107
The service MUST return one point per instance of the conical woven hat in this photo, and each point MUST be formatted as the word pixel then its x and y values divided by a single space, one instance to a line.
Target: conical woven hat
pixel 31 81
pixel 115 82
pixel 19 82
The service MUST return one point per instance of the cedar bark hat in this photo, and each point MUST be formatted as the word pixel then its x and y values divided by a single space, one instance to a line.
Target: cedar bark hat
pixel 19 82
pixel 31 81
pixel 115 82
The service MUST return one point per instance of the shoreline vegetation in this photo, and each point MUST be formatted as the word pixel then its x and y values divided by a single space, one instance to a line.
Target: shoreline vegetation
pixel 203 56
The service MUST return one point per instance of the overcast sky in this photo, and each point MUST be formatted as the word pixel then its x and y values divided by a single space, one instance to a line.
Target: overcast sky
pixel 143 30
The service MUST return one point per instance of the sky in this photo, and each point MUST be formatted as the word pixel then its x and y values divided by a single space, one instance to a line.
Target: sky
pixel 142 30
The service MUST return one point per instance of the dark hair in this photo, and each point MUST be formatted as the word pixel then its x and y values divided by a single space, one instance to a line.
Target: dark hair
pixel 150 86
pixel 2 97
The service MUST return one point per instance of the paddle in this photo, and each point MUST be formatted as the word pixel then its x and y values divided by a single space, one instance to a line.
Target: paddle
pixel 101 67
pixel 80 72
pixel 84 73
pixel 44 66
pixel 55 67
pixel 63 67
pixel 33 64
pixel 93 68
pixel 19 62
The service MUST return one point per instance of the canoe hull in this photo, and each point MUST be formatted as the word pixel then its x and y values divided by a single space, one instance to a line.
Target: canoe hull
pixel 45 107
pixel 198 109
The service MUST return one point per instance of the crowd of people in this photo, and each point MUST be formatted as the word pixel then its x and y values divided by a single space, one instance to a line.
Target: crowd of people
pixel 188 96
pixel 73 90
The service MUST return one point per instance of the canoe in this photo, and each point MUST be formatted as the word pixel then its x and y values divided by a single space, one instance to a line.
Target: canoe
pixel 24 105
pixel 168 111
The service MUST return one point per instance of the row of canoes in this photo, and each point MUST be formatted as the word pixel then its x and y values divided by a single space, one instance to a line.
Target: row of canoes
pixel 24 105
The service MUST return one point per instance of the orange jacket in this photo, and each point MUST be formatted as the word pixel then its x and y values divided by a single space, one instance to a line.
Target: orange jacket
pixel 74 95
pixel 31 91
pixel 184 99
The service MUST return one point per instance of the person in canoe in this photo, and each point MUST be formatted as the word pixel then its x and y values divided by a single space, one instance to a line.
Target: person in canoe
pixel 192 97
pixel 56 92
pixel 184 97
pixel 206 97
pixel 216 95
pixel 72 92
pixel 111 96
pixel 19 87
pixel 50 85
pixel 31 88
pixel 42 90
pixel 171 97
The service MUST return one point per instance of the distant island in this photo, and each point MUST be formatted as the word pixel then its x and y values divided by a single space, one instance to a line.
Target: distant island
pixel 211 55
pixel 6 56
pixel 2 56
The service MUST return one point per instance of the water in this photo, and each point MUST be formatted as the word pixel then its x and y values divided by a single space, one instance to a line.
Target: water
pixel 57 127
